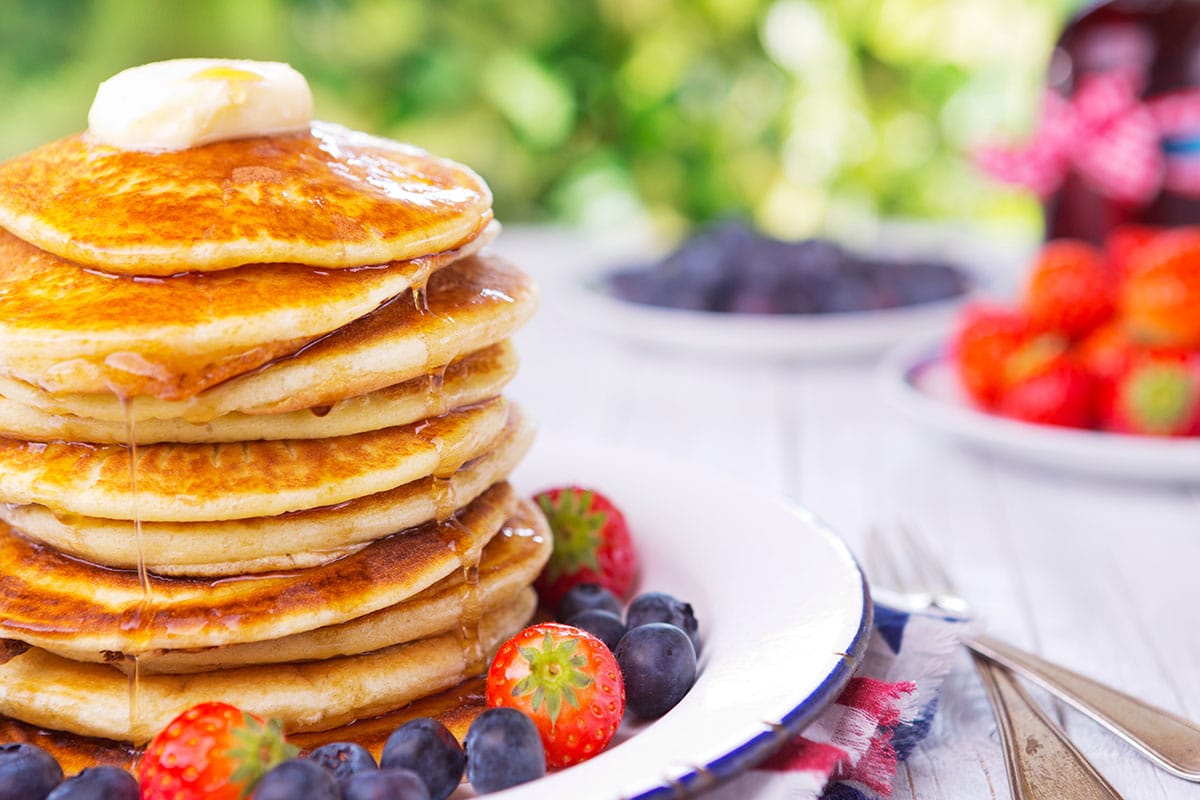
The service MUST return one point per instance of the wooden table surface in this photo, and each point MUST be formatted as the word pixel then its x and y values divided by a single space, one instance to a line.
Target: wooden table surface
pixel 1101 576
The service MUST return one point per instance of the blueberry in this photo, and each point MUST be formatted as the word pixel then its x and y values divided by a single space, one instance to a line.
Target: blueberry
pixel 297 779
pixel 504 749
pixel 429 749
pixel 662 607
pixel 27 772
pixel 604 625
pixel 98 783
pixel 388 783
pixel 658 664
pixel 343 759
pixel 583 596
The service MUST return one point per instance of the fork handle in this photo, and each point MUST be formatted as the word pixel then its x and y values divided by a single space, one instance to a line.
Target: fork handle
pixel 1041 761
pixel 1165 738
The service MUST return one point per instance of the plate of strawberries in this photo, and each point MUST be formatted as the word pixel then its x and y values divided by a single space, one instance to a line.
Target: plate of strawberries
pixel 1094 367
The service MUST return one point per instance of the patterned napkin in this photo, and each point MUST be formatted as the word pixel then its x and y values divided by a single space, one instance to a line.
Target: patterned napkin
pixel 851 751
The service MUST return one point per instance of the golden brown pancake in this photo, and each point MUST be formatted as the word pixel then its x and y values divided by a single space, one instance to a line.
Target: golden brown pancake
pixel 95 699
pixel 205 482
pixel 328 198
pixel 470 304
pixel 296 540
pixel 471 379
pixel 178 335
pixel 456 708
pixel 508 565
pixel 80 610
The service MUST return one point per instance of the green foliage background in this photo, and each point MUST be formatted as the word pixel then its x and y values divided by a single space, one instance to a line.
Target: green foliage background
pixel 802 115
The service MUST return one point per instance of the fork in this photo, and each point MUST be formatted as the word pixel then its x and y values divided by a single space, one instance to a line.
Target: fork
pixel 1041 762
pixel 1167 739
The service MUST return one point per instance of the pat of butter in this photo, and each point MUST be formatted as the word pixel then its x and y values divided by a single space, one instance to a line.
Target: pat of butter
pixel 187 102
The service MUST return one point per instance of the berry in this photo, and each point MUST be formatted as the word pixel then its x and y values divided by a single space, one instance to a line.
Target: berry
pixel 984 337
pixel 27 772
pixel 659 665
pixel 213 751
pixel 567 681
pixel 297 779
pixel 1070 290
pixel 343 759
pixel 97 783
pixel 1157 396
pixel 601 623
pixel 1045 385
pixel 504 749
pixel 429 749
pixel 1160 297
pixel 591 544
pixel 584 596
pixel 388 783
pixel 662 607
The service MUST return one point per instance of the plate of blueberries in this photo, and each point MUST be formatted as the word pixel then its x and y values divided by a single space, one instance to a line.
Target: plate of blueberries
pixel 731 290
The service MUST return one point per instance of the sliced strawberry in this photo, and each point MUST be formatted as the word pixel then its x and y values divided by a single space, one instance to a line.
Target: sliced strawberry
pixel 212 750
pixel 568 682
pixel 1070 289
pixel 592 544
pixel 985 336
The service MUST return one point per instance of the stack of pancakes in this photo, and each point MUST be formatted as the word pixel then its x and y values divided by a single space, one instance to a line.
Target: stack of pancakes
pixel 254 446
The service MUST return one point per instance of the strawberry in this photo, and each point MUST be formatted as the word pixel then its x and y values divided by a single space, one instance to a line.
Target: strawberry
pixel 1123 241
pixel 1160 297
pixel 591 544
pixel 1106 354
pixel 567 681
pixel 1070 289
pixel 1158 395
pixel 984 337
pixel 212 750
pixel 1045 385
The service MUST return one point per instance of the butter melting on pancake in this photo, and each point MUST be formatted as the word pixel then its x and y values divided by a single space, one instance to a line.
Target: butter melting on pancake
pixel 329 197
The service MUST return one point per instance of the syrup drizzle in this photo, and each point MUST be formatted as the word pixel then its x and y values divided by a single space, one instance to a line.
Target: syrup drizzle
pixel 139 615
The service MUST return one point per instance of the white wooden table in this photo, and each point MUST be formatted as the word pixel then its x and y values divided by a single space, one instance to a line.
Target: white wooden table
pixel 1103 577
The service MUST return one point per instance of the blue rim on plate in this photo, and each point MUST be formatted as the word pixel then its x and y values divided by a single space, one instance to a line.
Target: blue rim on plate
pixel 784 614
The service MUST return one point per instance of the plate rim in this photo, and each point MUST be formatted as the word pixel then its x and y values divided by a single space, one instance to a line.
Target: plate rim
pixel 763 737
pixel 1073 450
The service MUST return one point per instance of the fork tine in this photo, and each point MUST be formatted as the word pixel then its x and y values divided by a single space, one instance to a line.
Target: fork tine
pixel 926 563
pixel 881 563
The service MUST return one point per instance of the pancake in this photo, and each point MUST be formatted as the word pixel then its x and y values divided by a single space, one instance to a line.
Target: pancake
pixel 94 699
pixel 508 565
pixel 295 540
pixel 456 708
pixel 468 305
pixel 205 482
pixel 331 197
pixel 58 603
pixel 471 379
pixel 174 336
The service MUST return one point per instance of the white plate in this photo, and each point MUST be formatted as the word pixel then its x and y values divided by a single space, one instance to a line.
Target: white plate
pixel 920 382
pixel 804 336
pixel 782 606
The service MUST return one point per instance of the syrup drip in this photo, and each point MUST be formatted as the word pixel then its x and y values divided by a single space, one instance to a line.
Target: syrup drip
pixel 435 390
pixel 459 538
pixel 137 620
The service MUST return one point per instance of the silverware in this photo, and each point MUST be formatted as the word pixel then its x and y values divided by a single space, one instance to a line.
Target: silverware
pixel 1041 761
pixel 1167 739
